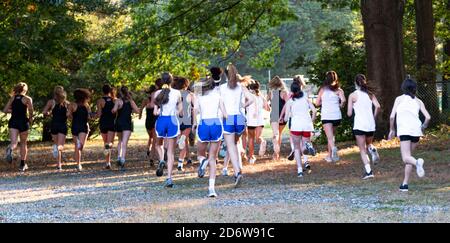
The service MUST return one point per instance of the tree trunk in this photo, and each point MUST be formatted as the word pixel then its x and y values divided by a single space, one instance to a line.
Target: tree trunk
pixel 446 74
pixel 383 32
pixel 426 58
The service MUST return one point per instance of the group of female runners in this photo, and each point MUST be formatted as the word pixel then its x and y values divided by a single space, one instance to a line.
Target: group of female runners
pixel 225 110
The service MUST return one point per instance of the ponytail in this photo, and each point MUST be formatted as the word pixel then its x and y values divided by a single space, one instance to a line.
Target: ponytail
pixel 361 81
pixel 163 97
pixel 297 92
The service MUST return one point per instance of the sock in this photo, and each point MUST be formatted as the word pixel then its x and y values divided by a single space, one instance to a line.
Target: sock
pixel 212 182
pixel 22 163
pixel 298 158
pixel 180 163
pixel 305 158
pixel 367 167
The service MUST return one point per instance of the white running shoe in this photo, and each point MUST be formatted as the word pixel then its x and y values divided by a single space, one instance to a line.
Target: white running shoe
pixel 328 159
pixel 182 142
pixel 79 168
pixel 334 154
pixel 262 147
pixel 225 172
pixel 212 193
pixel 419 168
pixel 374 154
pixel 252 160
pixel 55 151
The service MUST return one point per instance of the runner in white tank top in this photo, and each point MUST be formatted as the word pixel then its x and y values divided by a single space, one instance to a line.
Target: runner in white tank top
pixel 299 109
pixel 409 128
pixel 331 97
pixel 210 130
pixel 168 105
pixel 255 121
pixel 361 102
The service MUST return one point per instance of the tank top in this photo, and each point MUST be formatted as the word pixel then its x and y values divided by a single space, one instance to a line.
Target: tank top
pixel 277 104
pixel 59 114
pixel 255 112
pixel 408 121
pixel 170 109
pixel 300 115
pixel 107 115
pixel 124 114
pixel 330 106
pixel 364 120
pixel 186 119
pixel 232 99
pixel 80 116
pixel 209 104
pixel 19 109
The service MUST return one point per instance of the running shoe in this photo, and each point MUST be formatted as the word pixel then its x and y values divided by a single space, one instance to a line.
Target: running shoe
pixel 328 159
pixel 152 163
pixel 108 166
pixel 404 188
pixel 182 142
pixel 368 175
pixel 252 160
pixel 300 174
pixel 79 168
pixel 59 168
pixel 212 193
pixel 334 154
pixel 122 163
pixel 262 147
pixel 169 183
pixel 419 168
pixel 238 180
pixel 23 167
pixel 55 151
pixel 374 154
pixel 189 162
pixel 291 156
pixel 310 149
pixel 202 168
pixel 160 170
pixel 307 168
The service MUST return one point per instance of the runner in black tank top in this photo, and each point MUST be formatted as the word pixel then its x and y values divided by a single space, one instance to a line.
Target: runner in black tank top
pixel 19 119
pixel 107 118
pixel 19 124
pixel 150 120
pixel 59 119
pixel 80 120
pixel 123 120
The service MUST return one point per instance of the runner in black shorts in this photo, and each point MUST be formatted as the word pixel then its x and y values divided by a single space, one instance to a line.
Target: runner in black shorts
pixel 278 95
pixel 124 107
pixel 19 123
pixel 150 120
pixel 107 118
pixel 57 108
pixel 80 112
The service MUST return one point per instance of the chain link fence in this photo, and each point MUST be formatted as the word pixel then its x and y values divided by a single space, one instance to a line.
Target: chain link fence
pixel 435 96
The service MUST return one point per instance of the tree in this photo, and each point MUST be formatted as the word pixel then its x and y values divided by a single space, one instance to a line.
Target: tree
pixel 382 20
pixel 426 56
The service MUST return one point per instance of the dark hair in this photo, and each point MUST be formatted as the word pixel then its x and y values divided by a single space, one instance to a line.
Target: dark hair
pixel 362 82
pixel 107 89
pixel 163 97
pixel 206 85
pixel 255 86
pixel 180 83
pixel 151 89
pixel 158 83
pixel 81 96
pixel 216 73
pixel 331 81
pixel 409 87
pixel 296 89
pixel 124 93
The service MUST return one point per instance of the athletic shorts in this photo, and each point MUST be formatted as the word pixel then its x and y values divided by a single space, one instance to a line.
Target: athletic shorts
pixel 409 138
pixel 210 130
pixel 363 133
pixel 76 130
pixel 56 129
pixel 105 128
pixel 234 124
pixel 22 126
pixel 184 127
pixel 124 127
pixel 253 128
pixel 167 127
pixel 334 122
pixel 301 134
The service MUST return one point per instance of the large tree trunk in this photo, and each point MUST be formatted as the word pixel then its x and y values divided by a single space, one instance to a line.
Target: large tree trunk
pixel 383 31
pixel 426 57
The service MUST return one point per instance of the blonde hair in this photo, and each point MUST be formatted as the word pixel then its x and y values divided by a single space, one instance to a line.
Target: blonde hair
pixel 233 76
pixel 20 88
pixel 59 95
pixel 277 83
